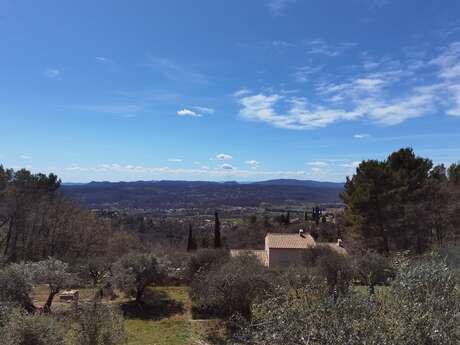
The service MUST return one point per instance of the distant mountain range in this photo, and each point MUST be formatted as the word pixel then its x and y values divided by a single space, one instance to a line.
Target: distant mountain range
pixel 178 194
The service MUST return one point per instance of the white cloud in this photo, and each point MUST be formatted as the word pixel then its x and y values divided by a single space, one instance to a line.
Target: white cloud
pixel 52 73
pixel 25 157
pixel 299 115
pixel 318 163
pixel 227 166
pixel 119 172
pixel 102 59
pixel 354 164
pixel 204 110
pixel 224 157
pixel 281 44
pixel 277 7
pixel 242 92
pixel 302 74
pixel 393 92
pixel 252 163
pixel 174 160
pixel 361 136
pixel 320 47
pixel 187 112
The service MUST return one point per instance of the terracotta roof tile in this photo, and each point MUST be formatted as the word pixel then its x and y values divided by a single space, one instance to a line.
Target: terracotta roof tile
pixel 290 241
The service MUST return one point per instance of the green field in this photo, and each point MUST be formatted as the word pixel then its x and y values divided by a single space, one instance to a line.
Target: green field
pixel 165 320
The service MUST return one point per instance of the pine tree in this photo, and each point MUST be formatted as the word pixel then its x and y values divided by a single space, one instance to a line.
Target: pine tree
pixel 217 240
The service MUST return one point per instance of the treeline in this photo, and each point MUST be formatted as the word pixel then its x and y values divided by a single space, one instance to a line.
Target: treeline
pixel 403 203
pixel 37 222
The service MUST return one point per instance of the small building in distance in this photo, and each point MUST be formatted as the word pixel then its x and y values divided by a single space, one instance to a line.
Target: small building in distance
pixel 283 250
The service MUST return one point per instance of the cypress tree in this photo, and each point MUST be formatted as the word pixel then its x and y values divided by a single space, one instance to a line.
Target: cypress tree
pixel 191 244
pixel 217 241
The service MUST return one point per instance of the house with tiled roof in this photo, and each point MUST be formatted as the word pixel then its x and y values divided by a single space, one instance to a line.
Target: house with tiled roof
pixel 283 250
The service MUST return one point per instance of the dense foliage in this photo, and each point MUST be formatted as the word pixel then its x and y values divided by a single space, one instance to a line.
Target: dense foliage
pixel 422 306
pixel 403 203
pixel 134 272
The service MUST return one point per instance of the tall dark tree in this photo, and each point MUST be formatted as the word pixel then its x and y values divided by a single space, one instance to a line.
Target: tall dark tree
pixel 217 239
pixel 288 218
pixel 191 243
pixel 316 214
pixel 454 173
pixel 367 198
pixel 410 195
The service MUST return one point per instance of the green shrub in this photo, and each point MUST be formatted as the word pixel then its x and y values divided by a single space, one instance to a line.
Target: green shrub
pixel 330 265
pixel 422 306
pixel 134 272
pixel 371 269
pixel 231 288
pixel 203 260
pixel 16 285
pixel 98 324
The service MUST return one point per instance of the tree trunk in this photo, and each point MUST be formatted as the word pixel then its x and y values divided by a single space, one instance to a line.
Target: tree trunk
pixel 49 301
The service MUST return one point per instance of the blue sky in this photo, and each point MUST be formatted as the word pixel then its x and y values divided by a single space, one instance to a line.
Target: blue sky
pixel 226 90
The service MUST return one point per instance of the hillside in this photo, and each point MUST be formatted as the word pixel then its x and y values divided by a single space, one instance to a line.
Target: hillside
pixel 186 194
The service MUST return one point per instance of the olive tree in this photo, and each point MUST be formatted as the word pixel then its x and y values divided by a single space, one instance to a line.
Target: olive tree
pixel 231 288
pixel 371 269
pixel 16 283
pixel 98 324
pixel 55 274
pixel 134 272
pixel 421 306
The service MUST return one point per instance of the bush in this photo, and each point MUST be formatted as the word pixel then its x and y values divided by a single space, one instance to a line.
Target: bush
pixel 422 306
pixel 22 328
pixel 134 272
pixel 372 269
pixel 16 286
pixel 231 288
pixel 333 267
pixel 98 324
pixel 203 260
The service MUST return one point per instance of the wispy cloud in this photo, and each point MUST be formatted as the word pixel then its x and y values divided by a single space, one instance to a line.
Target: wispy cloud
pixel 25 157
pixel 174 160
pixel 361 136
pixel 302 74
pixel 278 7
pixel 103 59
pixel 320 47
pixel 52 73
pixel 369 94
pixel 204 110
pixel 241 92
pixel 318 163
pixel 174 71
pixel 253 164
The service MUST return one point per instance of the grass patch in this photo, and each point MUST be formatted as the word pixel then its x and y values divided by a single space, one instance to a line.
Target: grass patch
pixel 164 332
pixel 164 319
